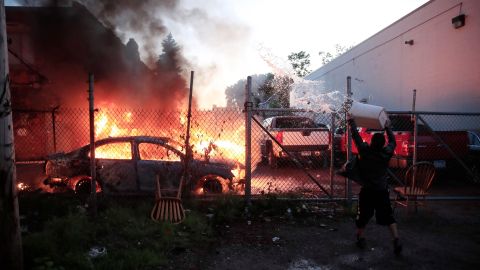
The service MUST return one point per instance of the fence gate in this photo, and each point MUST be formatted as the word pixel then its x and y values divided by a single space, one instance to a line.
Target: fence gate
pixel 291 154
pixel 456 147
pixel 294 153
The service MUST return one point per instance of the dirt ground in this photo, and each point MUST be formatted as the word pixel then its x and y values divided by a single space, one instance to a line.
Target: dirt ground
pixel 444 235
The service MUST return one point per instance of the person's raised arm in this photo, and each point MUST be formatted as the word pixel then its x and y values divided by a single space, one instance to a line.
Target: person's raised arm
pixel 355 135
pixel 391 139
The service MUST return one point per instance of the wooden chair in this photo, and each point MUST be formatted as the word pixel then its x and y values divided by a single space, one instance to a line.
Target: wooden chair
pixel 168 209
pixel 418 179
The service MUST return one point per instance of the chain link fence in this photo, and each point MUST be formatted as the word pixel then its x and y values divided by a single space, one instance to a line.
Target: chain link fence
pixel 293 152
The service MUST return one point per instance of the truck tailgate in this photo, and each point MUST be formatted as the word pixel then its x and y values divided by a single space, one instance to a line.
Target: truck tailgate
pixel 305 137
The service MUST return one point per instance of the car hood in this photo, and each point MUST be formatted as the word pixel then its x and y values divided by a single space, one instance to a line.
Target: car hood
pixel 223 162
pixel 62 155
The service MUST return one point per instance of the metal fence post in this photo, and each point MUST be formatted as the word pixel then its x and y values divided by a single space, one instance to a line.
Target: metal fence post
pixel 54 129
pixel 188 148
pixel 332 150
pixel 349 144
pixel 248 139
pixel 415 127
pixel 93 192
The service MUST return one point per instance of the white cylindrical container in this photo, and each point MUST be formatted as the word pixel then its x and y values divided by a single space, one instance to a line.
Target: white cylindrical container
pixel 369 116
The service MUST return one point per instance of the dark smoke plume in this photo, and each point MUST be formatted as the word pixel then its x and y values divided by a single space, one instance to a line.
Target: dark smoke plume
pixel 68 42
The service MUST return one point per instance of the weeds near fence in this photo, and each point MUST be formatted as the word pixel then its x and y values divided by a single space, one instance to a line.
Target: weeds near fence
pixel 62 240
pixel 58 233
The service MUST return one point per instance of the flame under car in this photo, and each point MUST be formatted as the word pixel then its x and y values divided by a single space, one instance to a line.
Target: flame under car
pixel 129 165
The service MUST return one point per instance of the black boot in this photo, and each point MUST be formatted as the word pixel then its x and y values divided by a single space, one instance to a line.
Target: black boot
pixel 361 242
pixel 397 247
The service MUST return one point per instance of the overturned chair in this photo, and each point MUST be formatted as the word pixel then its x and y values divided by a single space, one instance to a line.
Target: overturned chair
pixel 418 179
pixel 168 209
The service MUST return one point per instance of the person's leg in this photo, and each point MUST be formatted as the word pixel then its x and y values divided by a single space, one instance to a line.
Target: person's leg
pixel 397 245
pixel 393 230
pixel 365 212
pixel 384 216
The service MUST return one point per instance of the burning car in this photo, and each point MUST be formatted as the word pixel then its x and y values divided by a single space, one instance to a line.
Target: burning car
pixel 129 165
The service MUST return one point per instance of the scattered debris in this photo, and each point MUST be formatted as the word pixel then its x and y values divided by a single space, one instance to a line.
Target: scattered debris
pixel 96 252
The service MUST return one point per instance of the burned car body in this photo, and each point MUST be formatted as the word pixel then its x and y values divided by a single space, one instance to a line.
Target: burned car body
pixel 129 165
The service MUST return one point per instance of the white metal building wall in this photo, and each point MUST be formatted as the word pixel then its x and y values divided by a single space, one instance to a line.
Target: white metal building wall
pixel 443 63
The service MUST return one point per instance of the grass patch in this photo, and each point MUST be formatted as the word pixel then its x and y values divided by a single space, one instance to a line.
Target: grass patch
pixel 123 227
pixel 62 233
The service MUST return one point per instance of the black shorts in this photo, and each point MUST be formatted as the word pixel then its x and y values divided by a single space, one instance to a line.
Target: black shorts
pixel 372 202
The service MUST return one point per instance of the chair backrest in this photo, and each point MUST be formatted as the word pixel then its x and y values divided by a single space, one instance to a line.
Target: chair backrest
pixel 419 176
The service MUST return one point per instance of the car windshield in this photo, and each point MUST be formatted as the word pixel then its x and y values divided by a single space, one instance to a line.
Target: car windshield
pixel 292 122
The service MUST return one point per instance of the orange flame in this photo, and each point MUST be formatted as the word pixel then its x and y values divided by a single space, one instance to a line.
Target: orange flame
pixel 203 143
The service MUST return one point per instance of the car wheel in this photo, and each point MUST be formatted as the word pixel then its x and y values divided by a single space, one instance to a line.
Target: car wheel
pixel 212 184
pixel 83 187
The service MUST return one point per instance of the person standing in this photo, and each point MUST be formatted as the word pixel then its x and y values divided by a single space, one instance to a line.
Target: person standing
pixel 374 197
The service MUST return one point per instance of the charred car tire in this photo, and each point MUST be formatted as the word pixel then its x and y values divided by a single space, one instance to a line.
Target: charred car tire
pixel 214 185
pixel 83 187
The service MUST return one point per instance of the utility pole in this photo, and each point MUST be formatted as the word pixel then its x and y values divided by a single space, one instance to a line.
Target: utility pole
pixel 11 256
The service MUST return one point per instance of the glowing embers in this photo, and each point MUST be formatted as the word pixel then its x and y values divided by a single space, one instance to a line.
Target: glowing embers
pixel 22 186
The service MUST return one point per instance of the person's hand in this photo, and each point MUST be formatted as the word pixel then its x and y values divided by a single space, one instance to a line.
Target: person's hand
pixel 350 119
pixel 388 123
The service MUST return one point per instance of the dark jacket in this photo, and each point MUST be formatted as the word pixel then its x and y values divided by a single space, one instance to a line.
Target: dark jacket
pixel 373 163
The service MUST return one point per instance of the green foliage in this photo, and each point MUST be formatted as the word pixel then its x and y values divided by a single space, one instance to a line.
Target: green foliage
pixel 132 258
pixel 46 263
pixel 328 56
pixel 227 209
pixel 131 239
pixel 300 62
pixel 63 240
pixel 235 94
pixel 275 92
pixel 169 60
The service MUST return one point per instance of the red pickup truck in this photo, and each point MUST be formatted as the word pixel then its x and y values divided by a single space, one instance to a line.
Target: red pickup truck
pixel 428 147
